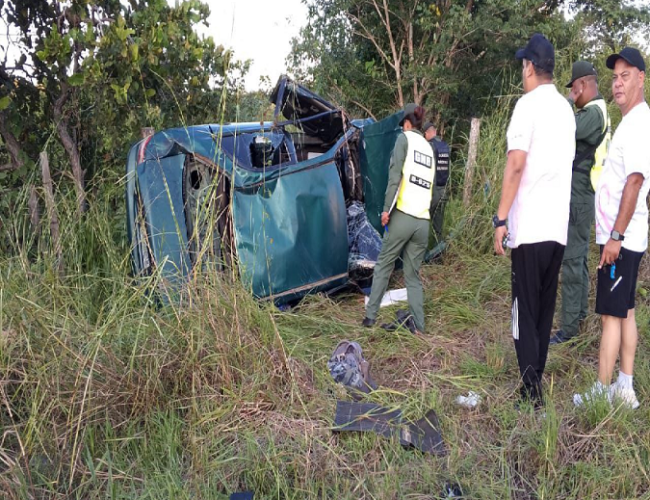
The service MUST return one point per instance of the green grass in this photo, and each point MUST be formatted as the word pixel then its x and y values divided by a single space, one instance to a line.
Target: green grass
pixel 114 398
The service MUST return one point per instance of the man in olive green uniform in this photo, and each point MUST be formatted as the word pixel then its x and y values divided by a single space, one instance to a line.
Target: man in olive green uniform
pixel 438 203
pixel 592 127
pixel 405 218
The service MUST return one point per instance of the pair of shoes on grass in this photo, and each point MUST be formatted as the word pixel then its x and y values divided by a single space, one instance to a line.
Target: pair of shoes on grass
pixel 403 319
pixel 614 394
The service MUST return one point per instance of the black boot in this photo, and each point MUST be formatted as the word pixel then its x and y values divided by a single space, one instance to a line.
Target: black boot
pixel 367 322
pixel 403 320
pixel 560 337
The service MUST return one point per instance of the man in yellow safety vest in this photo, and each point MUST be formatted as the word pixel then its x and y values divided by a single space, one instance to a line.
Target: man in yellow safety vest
pixel 405 218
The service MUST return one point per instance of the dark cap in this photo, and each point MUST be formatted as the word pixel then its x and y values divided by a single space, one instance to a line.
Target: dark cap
pixel 540 52
pixel 409 109
pixel 630 55
pixel 427 126
pixel 581 69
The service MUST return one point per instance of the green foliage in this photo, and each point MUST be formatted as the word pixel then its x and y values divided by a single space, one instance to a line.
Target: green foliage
pixel 453 56
pixel 612 24
pixel 97 72
pixel 448 56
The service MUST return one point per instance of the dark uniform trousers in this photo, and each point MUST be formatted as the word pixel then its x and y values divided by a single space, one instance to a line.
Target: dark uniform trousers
pixel 575 271
pixel 438 203
pixel 408 236
pixel 535 274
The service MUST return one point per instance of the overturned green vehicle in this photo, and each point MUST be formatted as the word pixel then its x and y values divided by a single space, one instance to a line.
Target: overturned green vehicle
pixel 292 204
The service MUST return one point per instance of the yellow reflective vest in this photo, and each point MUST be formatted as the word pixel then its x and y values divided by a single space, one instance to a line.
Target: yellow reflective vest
pixel 418 174
pixel 603 147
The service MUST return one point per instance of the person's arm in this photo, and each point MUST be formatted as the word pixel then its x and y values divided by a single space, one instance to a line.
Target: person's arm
pixel 625 213
pixel 520 133
pixel 511 180
pixel 589 124
pixel 394 174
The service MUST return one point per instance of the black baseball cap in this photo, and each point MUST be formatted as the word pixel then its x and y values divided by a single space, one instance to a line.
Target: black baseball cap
pixel 630 55
pixel 540 52
pixel 580 69
pixel 427 126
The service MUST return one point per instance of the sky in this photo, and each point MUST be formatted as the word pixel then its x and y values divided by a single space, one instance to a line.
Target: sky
pixel 260 30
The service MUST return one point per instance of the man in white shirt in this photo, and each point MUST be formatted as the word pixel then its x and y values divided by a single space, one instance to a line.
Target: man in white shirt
pixel 622 229
pixel 535 200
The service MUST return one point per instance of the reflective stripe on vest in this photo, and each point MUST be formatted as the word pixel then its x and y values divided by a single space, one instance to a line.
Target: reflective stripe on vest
pixel 603 147
pixel 418 174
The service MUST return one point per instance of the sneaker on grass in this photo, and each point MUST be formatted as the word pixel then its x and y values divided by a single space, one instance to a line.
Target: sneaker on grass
pixel 597 392
pixel 624 395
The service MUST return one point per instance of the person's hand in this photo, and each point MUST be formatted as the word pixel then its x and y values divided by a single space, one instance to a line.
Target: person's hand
pixel 610 253
pixel 576 92
pixel 499 235
pixel 385 217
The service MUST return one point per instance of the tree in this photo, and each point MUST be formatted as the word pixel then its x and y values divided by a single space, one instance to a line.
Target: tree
pixel 449 55
pixel 379 54
pixel 92 72
pixel 612 24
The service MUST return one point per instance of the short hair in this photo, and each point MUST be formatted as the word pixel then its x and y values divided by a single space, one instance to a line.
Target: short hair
pixel 542 73
pixel 539 72
pixel 416 118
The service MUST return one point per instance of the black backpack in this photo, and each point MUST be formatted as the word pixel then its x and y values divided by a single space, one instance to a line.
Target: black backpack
pixel 348 367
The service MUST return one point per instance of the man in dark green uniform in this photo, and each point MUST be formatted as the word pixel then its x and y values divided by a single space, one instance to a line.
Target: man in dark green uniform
pixel 592 125
pixel 441 153
pixel 405 218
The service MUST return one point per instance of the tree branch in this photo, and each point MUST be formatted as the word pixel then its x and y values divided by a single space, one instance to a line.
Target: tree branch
pixel 70 146
pixel 11 144
pixel 368 36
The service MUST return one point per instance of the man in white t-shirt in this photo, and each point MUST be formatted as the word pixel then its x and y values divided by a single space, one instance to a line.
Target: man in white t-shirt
pixel 535 199
pixel 622 229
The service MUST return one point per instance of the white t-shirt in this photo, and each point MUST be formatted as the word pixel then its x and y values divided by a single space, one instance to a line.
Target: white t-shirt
pixel 629 153
pixel 543 125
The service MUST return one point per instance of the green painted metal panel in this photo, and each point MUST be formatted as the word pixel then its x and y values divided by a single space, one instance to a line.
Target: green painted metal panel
pixel 291 232
pixel 378 142
pixel 161 190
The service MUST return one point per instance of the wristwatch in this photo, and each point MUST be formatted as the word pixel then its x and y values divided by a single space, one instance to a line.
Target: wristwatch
pixel 498 223
pixel 616 236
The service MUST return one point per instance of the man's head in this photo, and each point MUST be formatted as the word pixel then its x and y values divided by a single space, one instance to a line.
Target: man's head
pixel 429 130
pixel 538 58
pixel 413 117
pixel 629 78
pixel 584 83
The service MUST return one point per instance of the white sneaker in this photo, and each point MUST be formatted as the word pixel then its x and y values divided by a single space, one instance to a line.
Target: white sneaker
pixel 597 392
pixel 624 395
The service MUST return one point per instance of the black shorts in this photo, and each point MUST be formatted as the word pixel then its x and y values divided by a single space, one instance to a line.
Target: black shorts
pixel 615 296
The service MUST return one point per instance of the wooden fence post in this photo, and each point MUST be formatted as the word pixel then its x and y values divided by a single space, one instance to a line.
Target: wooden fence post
pixel 32 203
pixel 471 160
pixel 51 210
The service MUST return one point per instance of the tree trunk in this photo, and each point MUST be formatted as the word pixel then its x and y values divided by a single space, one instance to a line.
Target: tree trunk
pixel 471 160
pixel 11 144
pixel 70 147
pixel 51 211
